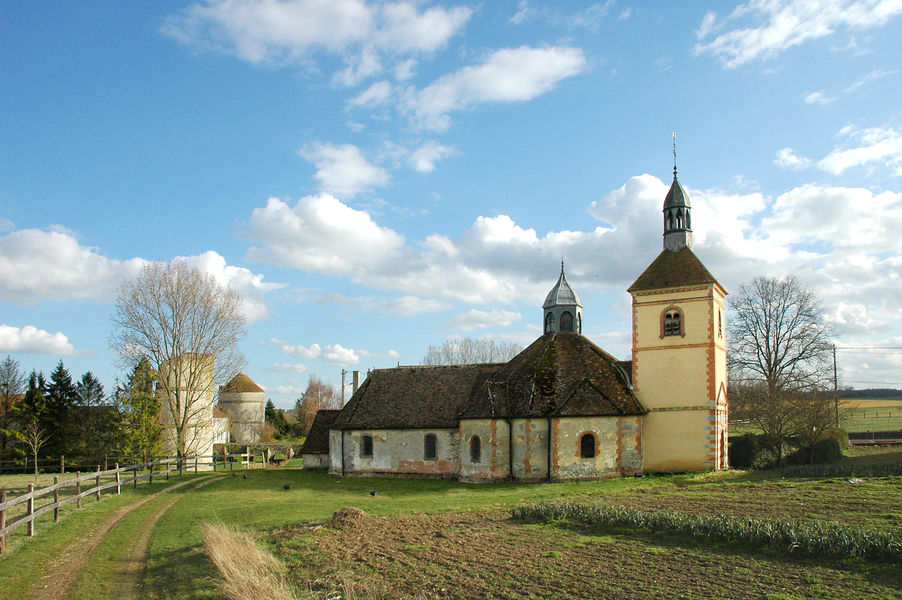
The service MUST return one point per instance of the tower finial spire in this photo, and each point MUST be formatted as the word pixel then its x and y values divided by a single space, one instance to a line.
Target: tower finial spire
pixel 674 155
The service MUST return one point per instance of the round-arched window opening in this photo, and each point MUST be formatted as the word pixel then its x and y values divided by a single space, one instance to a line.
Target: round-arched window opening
pixel 366 445
pixel 549 322
pixel 430 444
pixel 567 322
pixel 587 446
pixel 475 449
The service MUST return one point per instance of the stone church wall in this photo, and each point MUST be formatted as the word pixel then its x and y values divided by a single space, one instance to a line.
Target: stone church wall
pixel 618 447
pixel 396 452
pixel 494 437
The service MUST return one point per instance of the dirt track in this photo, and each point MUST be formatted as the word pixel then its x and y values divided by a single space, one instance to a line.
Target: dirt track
pixel 59 580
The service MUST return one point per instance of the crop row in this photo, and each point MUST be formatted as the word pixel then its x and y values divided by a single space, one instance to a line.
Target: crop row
pixel 825 537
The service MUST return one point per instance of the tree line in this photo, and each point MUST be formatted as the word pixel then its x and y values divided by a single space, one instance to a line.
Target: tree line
pixel 43 417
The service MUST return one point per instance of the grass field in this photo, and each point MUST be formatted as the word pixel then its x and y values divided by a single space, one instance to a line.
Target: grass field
pixel 425 539
pixel 871 414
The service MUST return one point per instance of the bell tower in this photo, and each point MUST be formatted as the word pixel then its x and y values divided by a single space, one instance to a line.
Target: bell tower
pixel 679 351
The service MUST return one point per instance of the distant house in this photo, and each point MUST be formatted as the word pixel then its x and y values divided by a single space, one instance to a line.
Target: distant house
pixel 563 409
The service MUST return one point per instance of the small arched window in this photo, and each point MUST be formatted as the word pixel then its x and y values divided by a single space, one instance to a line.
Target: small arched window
pixel 579 323
pixel 429 446
pixel 679 219
pixel 366 445
pixel 587 446
pixel 475 449
pixel 549 322
pixel 672 322
pixel 669 224
pixel 567 322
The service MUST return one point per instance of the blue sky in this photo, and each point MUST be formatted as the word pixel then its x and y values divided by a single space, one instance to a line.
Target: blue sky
pixel 376 177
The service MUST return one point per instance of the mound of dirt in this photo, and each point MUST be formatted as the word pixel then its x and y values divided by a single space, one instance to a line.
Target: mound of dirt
pixel 348 517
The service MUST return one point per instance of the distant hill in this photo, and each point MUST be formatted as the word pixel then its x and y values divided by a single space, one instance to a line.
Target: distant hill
pixel 871 393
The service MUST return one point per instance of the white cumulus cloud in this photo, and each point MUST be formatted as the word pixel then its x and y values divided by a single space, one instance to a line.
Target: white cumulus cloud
pixel 363 35
pixel 787 159
pixel 424 157
pixel 342 170
pixel 31 340
pixel 52 266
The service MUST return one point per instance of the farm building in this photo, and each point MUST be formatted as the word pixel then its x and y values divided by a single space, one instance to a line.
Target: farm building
pixel 563 409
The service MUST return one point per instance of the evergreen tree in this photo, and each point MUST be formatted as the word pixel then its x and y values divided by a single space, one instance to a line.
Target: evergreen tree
pixel 276 418
pixel 12 384
pixel 93 427
pixel 139 408
pixel 61 396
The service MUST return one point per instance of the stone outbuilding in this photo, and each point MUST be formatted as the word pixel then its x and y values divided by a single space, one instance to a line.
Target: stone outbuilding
pixel 315 452
pixel 245 403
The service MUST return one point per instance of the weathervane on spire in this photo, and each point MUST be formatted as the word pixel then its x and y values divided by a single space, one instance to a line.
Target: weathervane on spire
pixel 674 155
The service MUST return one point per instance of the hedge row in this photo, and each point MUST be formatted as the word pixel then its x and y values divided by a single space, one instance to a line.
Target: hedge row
pixel 793 535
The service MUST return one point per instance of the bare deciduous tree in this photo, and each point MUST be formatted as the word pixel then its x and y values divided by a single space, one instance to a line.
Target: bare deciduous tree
pixel 468 351
pixel 778 335
pixel 188 327
pixel 35 438
pixel 780 345
pixel 317 395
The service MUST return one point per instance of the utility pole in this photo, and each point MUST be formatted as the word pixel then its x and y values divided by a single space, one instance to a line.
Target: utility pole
pixel 835 390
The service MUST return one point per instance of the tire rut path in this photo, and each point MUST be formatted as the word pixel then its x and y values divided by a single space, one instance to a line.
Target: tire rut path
pixel 59 581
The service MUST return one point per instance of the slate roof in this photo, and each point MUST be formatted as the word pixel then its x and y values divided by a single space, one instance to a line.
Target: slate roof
pixel 422 397
pixel 557 375
pixel 561 294
pixel 317 441
pixel 673 269
pixel 676 196
pixel 241 383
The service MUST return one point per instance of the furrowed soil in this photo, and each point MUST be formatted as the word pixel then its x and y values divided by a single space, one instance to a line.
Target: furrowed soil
pixel 489 555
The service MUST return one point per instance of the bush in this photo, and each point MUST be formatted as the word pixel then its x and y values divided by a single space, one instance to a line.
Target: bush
pixel 825 450
pixel 748 451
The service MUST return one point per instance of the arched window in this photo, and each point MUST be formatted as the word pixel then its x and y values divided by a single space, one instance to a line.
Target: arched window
pixel 688 220
pixel 679 219
pixel 366 445
pixel 669 224
pixel 579 323
pixel 475 449
pixel 587 446
pixel 429 446
pixel 672 322
pixel 566 322
pixel 549 322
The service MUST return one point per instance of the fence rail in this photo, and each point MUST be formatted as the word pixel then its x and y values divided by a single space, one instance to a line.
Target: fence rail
pixel 162 467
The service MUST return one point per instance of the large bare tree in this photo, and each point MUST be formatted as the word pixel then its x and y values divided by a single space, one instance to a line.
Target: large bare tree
pixel 317 395
pixel 778 335
pixel 779 351
pixel 188 327
pixel 467 351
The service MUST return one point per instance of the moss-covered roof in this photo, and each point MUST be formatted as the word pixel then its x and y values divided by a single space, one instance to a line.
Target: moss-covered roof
pixel 241 383
pixel 413 397
pixel 673 269
pixel 558 375
pixel 317 441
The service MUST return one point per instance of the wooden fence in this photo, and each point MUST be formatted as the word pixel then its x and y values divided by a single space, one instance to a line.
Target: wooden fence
pixel 114 479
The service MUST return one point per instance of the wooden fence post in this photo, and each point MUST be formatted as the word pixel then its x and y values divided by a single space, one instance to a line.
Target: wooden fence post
pixel 2 520
pixel 168 467
pixel 135 476
pixel 62 464
pixel 56 500
pixel 31 510
pixel 118 481
pixel 195 464
pixel 105 462
pixel 78 489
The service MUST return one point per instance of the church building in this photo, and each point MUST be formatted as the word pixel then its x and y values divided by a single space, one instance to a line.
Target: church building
pixel 562 409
